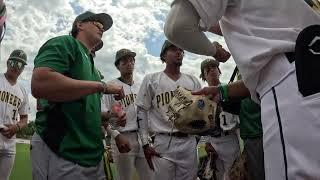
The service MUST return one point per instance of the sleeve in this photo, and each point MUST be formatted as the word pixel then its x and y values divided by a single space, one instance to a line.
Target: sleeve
pixel 145 94
pixel 24 109
pixel 182 29
pixel 209 11
pixel 142 120
pixel 57 54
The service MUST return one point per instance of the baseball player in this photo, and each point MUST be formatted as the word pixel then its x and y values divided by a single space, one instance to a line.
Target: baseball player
pixel 173 154
pixel 127 163
pixel 223 140
pixel 14 109
pixel 274 46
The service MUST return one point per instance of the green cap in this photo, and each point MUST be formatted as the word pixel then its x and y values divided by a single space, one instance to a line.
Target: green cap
pixel 18 55
pixel 165 46
pixel 208 63
pixel 122 53
pixel 103 18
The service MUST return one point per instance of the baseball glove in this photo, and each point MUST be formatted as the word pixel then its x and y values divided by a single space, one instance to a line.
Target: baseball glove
pixel 192 114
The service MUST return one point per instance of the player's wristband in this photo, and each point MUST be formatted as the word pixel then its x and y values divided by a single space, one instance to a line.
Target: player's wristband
pixel 223 91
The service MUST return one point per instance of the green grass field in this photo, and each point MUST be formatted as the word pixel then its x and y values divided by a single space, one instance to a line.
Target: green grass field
pixel 22 166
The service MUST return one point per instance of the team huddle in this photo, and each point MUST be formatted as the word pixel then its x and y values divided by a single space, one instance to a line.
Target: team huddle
pixel 157 124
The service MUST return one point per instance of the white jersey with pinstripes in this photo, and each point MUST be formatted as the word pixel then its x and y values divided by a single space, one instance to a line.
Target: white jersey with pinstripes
pixel 155 93
pixel 13 102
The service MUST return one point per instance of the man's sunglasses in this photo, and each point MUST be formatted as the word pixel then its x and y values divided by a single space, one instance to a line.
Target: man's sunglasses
pixel 16 64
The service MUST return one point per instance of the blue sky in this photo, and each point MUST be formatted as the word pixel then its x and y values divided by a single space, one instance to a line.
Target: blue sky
pixel 138 25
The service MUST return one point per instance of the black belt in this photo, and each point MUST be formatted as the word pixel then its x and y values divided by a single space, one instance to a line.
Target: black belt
pixel 221 134
pixel 290 56
pixel 132 131
pixel 175 134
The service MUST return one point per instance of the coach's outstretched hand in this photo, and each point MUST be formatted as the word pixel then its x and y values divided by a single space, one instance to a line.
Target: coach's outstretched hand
pixel 116 90
pixel 122 143
pixel 148 153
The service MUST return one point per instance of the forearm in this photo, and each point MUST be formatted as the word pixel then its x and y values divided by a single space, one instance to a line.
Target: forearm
pixel 182 29
pixel 143 125
pixel 54 86
pixel 237 90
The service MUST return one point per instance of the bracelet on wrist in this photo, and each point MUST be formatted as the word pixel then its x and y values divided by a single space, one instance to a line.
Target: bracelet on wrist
pixel 104 85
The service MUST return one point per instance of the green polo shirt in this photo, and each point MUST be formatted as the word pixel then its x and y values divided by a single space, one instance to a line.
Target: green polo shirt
pixel 71 129
pixel 250 119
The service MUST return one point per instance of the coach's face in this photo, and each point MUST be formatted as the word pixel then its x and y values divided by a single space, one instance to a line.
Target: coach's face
pixel 92 29
pixel 174 55
pixel 126 65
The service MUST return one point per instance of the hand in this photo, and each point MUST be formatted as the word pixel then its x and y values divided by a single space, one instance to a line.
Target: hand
pixel 211 91
pixel 122 120
pixel 122 143
pixel 221 54
pixel 116 90
pixel 148 153
pixel 10 131
pixel 210 149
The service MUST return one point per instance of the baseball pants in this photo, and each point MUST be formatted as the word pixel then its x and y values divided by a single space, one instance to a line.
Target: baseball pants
pixel 178 161
pixel 253 149
pixel 291 135
pixel 6 164
pixel 127 163
pixel 47 165
pixel 228 150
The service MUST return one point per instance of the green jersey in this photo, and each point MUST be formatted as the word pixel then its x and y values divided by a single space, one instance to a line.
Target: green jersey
pixel 71 129
pixel 250 119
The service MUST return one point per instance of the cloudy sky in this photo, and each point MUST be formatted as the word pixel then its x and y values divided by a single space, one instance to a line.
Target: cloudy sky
pixel 138 25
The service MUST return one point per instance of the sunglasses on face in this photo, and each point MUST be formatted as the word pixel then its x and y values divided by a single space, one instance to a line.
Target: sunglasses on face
pixel 16 64
pixel 98 25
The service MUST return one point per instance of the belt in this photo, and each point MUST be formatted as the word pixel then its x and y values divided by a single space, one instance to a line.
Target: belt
pixel 290 56
pixel 132 131
pixel 175 134
pixel 221 134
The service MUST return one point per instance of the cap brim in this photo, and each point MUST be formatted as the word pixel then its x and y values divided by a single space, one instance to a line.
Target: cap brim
pixel 18 59
pixel 104 19
pixel 133 54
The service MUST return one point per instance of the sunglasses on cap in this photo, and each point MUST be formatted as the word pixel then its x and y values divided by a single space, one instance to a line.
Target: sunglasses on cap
pixel 16 64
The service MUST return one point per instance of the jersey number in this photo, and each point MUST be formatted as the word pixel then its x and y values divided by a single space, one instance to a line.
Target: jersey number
pixel 14 114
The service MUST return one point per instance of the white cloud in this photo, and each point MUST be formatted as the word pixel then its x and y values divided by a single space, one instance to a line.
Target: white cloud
pixel 32 22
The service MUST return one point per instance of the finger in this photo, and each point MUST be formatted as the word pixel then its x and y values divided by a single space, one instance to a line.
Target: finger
pixel 149 161
pixel 199 92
